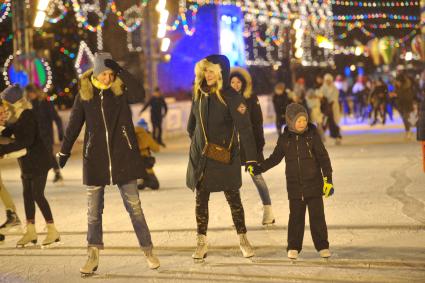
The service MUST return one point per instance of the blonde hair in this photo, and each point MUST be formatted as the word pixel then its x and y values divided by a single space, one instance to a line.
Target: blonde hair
pixel 200 69
pixel 17 108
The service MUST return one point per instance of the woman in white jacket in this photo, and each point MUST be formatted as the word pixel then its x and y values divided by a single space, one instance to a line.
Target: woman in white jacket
pixel 331 107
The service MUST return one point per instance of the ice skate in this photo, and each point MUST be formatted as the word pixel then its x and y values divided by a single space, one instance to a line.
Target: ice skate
pixel 12 223
pixel 293 255
pixel 268 217
pixel 29 237
pixel 201 249
pixel 58 179
pixel 245 246
pixel 52 238
pixel 325 254
pixel 92 262
pixel 152 260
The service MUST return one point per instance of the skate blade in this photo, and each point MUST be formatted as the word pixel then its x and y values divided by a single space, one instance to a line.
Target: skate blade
pixel 269 224
pixel 88 275
pixel 200 260
pixel 32 244
pixel 52 245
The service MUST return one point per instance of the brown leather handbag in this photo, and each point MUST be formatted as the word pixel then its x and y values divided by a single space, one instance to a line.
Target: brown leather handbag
pixel 215 151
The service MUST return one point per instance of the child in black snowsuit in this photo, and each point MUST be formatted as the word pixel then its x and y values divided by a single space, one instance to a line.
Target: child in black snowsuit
pixel 307 165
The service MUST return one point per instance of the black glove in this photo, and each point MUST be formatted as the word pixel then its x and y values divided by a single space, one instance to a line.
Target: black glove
pixel 62 158
pixel 149 161
pixel 253 168
pixel 114 66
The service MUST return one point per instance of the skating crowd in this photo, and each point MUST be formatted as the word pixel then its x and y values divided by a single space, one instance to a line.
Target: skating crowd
pixel 225 127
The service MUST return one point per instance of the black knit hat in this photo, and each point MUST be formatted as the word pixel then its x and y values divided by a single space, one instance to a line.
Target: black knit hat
pixel 293 112
pixel 224 65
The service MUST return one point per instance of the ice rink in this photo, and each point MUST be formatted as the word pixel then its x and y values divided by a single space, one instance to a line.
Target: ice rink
pixel 376 222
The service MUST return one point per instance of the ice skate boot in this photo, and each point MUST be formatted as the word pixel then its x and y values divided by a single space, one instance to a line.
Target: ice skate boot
pixel 58 177
pixel 152 260
pixel 325 254
pixel 245 246
pixel 12 222
pixel 29 237
pixel 201 248
pixel 268 217
pixel 92 262
pixel 293 255
pixel 52 237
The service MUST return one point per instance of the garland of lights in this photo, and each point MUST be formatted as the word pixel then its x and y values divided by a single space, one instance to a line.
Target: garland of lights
pixel 373 35
pixel 83 49
pixel 81 13
pixel 376 26
pixel 375 4
pixel 5 10
pixel 130 19
pixel 6 39
pixel 46 69
pixel 375 16
pixel 56 5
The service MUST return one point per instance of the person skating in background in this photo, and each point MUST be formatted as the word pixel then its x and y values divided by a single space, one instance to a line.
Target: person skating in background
pixel 146 145
pixel 307 166
pixel 241 81
pixel 46 114
pixel 314 98
pixel 298 95
pixel 404 101
pixel 280 101
pixel 158 111
pixel 378 100
pixel 331 108
pixel 218 115
pixel 111 153
pixel 12 220
pixel 22 124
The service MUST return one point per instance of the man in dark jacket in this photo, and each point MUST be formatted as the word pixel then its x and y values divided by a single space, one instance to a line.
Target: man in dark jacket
pixel 158 111
pixel 280 101
pixel 111 153
pixel 307 162
pixel 46 114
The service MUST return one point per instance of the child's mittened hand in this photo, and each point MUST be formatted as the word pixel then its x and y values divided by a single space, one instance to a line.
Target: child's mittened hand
pixel 253 168
pixel 328 187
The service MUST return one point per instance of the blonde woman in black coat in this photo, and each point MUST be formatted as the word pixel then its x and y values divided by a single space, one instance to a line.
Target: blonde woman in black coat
pixel 241 81
pixel 217 117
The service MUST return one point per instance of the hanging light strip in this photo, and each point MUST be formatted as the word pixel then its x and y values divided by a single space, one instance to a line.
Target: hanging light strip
pixel 375 16
pixel 5 10
pixel 375 4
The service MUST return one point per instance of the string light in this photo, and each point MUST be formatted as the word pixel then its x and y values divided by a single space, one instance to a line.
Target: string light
pixel 56 5
pixel 5 10
pixel 130 19
pixel 374 16
pixel 376 26
pixel 376 4
pixel 83 50
pixel 81 13
pixel 6 39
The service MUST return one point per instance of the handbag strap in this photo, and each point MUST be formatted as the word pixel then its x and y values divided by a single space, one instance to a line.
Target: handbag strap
pixel 203 127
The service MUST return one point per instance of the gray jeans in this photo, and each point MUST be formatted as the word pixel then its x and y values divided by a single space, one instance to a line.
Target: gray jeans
pixel 262 189
pixel 130 197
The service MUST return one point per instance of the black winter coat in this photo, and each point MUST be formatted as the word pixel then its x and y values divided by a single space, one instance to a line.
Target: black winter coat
pixel 37 160
pixel 220 121
pixel 280 102
pixel 256 117
pixel 46 114
pixel 420 131
pixel 110 154
pixel 307 161
pixel 158 108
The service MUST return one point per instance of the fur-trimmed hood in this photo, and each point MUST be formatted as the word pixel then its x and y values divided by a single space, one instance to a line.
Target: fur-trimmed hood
pixel 235 71
pixel 86 87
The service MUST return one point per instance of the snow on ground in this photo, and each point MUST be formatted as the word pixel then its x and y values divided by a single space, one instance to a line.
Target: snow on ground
pixel 376 223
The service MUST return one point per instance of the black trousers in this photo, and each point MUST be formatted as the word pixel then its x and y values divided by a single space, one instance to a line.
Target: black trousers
pixel 233 198
pixel 157 130
pixel 280 122
pixel 34 193
pixel 318 228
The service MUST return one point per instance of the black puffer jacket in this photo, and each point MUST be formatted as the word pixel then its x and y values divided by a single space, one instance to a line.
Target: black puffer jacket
pixel 46 114
pixel 114 150
pixel 306 159
pixel 26 135
pixel 219 121
pixel 254 109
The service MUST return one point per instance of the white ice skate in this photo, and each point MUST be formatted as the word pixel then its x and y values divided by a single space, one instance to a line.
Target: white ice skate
pixel 201 249
pixel 268 217
pixel 245 246
pixel 92 262
pixel 53 238
pixel 325 254
pixel 29 237
pixel 152 260
pixel 293 255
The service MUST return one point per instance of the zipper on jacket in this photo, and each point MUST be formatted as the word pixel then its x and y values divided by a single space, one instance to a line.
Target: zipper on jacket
pixel 124 133
pixel 299 169
pixel 107 136
pixel 309 151
pixel 88 145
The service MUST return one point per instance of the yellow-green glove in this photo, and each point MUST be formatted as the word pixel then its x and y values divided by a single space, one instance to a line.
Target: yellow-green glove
pixel 328 187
